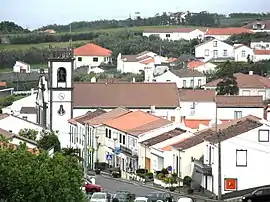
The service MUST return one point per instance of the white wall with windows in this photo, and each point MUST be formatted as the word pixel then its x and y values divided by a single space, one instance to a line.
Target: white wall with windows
pixel 92 61
pixel 242 53
pixel 241 156
pixel 229 113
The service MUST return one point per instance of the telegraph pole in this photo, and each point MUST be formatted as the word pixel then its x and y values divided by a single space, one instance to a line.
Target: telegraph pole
pixel 85 159
pixel 219 155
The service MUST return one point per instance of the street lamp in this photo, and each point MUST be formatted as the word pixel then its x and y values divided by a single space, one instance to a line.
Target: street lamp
pixel 97 146
pixel 145 145
pixel 114 155
pixel 179 165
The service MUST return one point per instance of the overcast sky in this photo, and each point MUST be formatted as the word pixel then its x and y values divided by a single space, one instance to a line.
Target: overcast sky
pixel 36 13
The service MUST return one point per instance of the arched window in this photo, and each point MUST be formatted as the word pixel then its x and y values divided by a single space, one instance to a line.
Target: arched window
pixel 61 75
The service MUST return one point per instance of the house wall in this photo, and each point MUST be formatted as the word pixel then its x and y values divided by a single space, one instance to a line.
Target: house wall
pixel 201 50
pixel 228 113
pixel 202 110
pixel 261 57
pixel 29 117
pixel 130 67
pixel 15 124
pixel 255 91
pixel 178 35
pixel 208 67
pixel 17 141
pixel 21 66
pixel 219 37
pixel 242 53
pixel 89 60
pixel 257 152
pixel 260 45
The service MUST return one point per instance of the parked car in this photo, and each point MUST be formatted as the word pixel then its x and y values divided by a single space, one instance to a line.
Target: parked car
pixel 91 188
pixel 186 199
pixel 161 196
pixel 259 195
pixel 100 197
pixel 142 199
pixel 124 196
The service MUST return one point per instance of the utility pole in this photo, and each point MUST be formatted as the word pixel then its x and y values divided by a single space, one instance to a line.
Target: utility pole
pixel 114 153
pixel 219 154
pixel 97 147
pixel 85 156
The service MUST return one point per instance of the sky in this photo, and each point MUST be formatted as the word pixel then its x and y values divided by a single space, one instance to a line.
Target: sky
pixel 32 14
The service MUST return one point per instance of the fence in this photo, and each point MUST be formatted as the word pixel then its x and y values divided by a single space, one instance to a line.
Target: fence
pixel 27 92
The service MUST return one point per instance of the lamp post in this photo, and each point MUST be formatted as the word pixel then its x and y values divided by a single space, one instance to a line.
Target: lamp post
pixel 97 146
pixel 179 165
pixel 114 155
pixel 145 145
pixel 85 155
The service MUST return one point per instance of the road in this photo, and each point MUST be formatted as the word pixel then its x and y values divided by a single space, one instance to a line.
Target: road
pixel 111 186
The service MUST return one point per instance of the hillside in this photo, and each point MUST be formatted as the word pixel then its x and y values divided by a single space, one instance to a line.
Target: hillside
pixel 11 28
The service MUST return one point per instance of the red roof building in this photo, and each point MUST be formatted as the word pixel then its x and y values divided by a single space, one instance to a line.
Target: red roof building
pixel 92 50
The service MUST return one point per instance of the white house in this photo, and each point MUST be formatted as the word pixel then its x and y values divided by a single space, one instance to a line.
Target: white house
pixel 223 34
pixel 96 70
pixel 261 55
pixel 257 85
pixel 21 67
pixel 260 44
pixel 184 78
pixel 244 148
pixel 242 53
pixel 176 33
pixel 259 26
pixel 214 49
pixel 124 133
pixel 201 66
pixel 14 124
pixel 91 55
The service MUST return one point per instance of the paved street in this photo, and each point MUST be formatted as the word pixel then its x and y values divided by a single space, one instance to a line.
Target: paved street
pixel 112 186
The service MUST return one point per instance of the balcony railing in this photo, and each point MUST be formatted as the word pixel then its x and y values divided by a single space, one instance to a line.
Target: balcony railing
pixel 203 168
pixel 128 151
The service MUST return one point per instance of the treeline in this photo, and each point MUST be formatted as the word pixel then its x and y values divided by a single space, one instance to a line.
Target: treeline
pixel 7 27
pixel 246 38
pixel 249 15
pixel 122 42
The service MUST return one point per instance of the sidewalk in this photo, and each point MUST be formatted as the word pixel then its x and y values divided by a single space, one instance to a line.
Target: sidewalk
pixel 151 186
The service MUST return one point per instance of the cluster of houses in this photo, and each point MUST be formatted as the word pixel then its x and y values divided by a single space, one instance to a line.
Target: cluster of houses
pixel 153 124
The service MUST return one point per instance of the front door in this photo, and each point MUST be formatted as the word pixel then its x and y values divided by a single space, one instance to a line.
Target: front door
pixel 215 53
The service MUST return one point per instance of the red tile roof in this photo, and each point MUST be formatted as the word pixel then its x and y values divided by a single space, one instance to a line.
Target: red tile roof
pixel 196 95
pixel 148 61
pixel 195 64
pixel 92 50
pixel 3 84
pixel 195 123
pixel 227 31
pixel 261 52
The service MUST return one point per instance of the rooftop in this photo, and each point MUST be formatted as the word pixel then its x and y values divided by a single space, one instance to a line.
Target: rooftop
pixel 245 81
pixel 196 95
pixel 195 123
pixel 227 31
pixel 261 52
pixel 92 50
pixel 137 122
pixel 112 95
pixel 239 101
pixel 87 116
pixel 165 136
pixel 187 73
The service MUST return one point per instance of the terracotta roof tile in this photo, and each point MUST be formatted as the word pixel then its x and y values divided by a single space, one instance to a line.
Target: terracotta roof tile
pixel 5 145
pixel 117 112
pixel 170 147
pixel 194 64
pixel 263 22
pixel 196 95
pixel 137 122
pixel 3 84
pixel 246 81
pixel 195 123
pixel 148 61
pixel 239 101
pixel 92 50
pixel 227 31
pixel 228 130
pixel 172 60
pixel 127 95
pixel 165 136
pixel 187 73
pixel 261 52
pixel 88 115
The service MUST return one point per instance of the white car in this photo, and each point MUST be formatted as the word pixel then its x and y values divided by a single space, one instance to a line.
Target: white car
pixel 185 199
pixel 142 199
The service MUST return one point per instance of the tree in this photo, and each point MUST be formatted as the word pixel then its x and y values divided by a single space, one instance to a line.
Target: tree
pixel 228 85
pixel 72 152
pixel 49 140
pixel 28 177
pixel 28 133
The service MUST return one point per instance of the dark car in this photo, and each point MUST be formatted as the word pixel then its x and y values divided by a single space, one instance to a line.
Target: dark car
pixel 259 195
pixel 162 196
pixel 124 196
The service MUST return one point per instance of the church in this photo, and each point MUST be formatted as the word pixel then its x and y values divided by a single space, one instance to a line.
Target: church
pixel 59 98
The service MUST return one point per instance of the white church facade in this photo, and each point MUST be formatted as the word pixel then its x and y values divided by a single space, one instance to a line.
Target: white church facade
pixel 60 99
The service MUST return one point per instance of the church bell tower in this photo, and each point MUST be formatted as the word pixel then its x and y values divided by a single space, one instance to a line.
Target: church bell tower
pixel 60 80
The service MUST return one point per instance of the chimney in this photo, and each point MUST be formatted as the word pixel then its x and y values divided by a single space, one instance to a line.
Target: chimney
pixel 250 72
pixel 153 109
pixel 133 80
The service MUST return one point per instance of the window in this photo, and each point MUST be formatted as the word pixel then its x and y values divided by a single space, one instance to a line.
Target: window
pixel 120 138
pixel 168 35
pixel 191 83
pixel 95 59
pixel 124 139
pixel 79 59
pixel 61 75
pixel 206 52
pixel 214 43
pixel 110 134
pixel 106 133
pixel 225 53
pixel 237 114
pixel 168 80
pixel 243 53
pixel 263 135
pixel 24 117
pixel 241 158
pixel 172 118
pixel 199 82
pixel 267 45
pixel 184 83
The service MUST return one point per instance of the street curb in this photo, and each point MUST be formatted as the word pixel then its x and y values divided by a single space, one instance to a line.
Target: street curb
pixel 153 187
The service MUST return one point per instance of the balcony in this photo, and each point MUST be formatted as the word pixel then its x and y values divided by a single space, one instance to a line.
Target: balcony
pixel 128 152
pixel 204 169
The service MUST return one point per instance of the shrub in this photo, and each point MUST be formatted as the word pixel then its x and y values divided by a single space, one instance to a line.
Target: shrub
pixel 187 181
pixel 160 176
pixel 115 174
pixel 164 171
pixel 141 175
pixel 142 171
pixel 174 175
pixel 150 175
pixel 190 190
